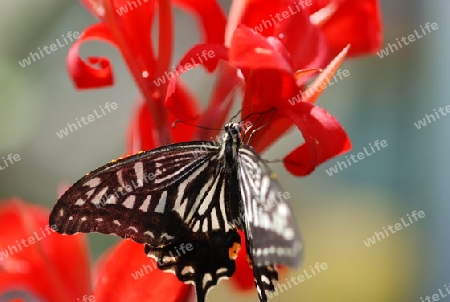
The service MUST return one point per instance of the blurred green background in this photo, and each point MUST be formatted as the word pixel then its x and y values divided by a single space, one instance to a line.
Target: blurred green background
pixel 380 100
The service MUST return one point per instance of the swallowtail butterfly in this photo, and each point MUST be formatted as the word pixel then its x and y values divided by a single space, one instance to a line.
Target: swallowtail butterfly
pixel 198 193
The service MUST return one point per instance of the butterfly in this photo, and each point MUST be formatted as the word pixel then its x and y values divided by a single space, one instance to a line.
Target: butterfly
pixel 185 202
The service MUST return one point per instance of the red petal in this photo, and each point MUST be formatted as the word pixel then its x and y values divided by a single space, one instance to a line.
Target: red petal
pixel 305 42
pixel 355 22
pixel 37 260
pixel 253 13
pixel 324 139
pixel 130 24
pixel 127 274
pixel 141 135
pixel 269 81
pixel 211 16
pixel 181 104
pixel 243 276
pixel 265 90
pixel 182 99
pixel 254 51
pixel 86 75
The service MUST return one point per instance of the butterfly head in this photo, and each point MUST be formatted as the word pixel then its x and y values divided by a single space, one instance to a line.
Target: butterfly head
pixel 232 132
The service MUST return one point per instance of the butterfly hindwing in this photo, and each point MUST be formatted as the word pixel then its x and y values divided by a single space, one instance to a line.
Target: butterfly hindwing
pixel 199 259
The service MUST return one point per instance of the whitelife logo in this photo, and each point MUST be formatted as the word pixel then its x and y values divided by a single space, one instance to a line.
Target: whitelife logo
pixel 430 117
pixel 437 296
pixel 86 120
pixel 34 56
pixel 393 229
pixel 340 75
pixel 296 8
pixel 341 165
pixel 24 243
pixel 318 268
pixel 131 5
pixel 12 158
pixel 411 38
pixel 183 68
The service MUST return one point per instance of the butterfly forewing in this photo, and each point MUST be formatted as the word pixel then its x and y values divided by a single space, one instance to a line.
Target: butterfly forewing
pixel 179 192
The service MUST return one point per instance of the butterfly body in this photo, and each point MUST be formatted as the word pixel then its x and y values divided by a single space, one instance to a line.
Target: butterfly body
pixel 197 193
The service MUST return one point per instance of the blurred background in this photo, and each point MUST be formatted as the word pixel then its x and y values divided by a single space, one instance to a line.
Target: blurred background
pixel 380 100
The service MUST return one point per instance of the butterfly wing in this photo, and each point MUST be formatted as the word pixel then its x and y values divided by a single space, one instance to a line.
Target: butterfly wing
pixel 204 261
pixel 271 230
pixel 163 198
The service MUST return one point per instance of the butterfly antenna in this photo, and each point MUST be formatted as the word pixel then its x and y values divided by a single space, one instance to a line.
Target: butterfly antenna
pixel 234 116
pixel 260 113
pixel 193 125
pixel 262 126
pixel 256 121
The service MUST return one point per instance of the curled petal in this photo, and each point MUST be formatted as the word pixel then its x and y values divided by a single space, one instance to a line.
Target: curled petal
pixel 97 72
pixel 277 89
pixel 34 259
pixel 324 139
pixel 137 278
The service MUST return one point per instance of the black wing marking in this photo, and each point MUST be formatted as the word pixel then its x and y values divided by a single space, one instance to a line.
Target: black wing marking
pixel 140 197
pixel 204 261
pixel 192 198
pixel 272 234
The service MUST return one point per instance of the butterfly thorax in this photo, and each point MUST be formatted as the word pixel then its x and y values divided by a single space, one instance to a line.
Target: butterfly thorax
pixel 230 145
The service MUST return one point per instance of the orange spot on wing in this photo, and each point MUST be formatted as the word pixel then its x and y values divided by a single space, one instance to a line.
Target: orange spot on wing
pixel 233 251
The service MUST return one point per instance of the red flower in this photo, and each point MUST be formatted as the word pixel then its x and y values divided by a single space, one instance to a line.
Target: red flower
pixel 274 59
pixel 37 263
pixel 127 274
pixel 128 27
pixel 287 37
pixel 272 63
